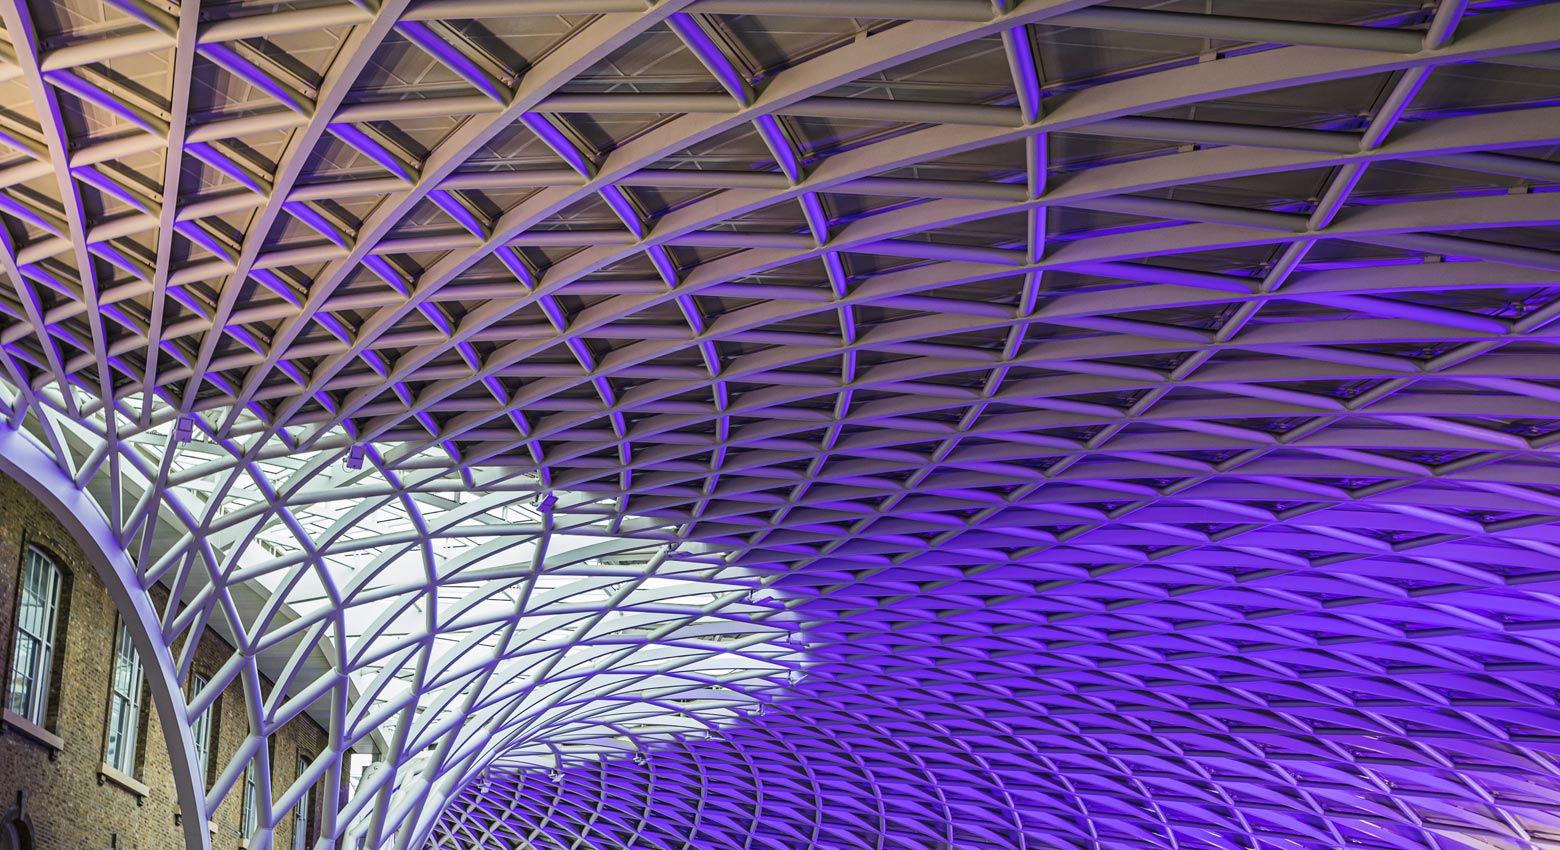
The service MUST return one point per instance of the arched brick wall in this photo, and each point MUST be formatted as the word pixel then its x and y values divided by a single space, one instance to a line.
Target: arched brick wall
pixel 23 461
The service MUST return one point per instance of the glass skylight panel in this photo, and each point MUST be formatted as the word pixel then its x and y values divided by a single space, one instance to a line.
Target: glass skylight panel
pixel 281 526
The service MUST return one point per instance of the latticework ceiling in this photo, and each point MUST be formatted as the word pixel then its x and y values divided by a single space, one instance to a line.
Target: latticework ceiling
pixel 919 424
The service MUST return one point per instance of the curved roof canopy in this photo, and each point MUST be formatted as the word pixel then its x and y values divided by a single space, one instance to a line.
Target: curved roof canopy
pixel 794 424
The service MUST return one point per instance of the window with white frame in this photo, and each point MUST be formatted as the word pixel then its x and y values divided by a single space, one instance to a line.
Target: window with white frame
pixel 37 616
pixel 201 729
pixel 250 816
pixel 124 705
pixel 301 818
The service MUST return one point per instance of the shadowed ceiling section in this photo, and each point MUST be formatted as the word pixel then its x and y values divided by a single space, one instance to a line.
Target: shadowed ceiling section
pixel 933 423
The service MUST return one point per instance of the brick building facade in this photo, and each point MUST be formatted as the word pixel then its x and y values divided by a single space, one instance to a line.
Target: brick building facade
pixel 73 799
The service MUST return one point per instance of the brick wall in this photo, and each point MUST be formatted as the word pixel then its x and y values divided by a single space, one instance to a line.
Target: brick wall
pixel 69 807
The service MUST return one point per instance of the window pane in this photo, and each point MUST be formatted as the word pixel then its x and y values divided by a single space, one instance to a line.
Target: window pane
pixel 116 734
pixel 36 615
pixel 250 815
pixel 22 680
pixel 202 729
pixel 301 822
pixel 124 705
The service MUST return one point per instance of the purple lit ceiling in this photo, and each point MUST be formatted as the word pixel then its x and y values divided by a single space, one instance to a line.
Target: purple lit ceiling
pixel 928 424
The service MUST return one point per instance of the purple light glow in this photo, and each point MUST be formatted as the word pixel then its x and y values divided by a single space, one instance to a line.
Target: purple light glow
pixel 811 425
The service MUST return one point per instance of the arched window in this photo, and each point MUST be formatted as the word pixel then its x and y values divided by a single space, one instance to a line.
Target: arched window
pixel 305 808
pixel 124 706
pixel 250 816
pixel 201 729
pixel 37 622
pixel 16 831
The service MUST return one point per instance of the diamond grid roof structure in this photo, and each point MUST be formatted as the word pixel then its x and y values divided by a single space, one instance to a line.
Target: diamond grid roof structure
pixel 919 424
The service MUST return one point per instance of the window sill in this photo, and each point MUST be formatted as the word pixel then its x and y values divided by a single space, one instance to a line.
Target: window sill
pixel 178 818
pixel 55 743
pixel 125 781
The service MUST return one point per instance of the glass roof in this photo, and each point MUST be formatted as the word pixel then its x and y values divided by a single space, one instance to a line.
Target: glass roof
pixel 801 424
